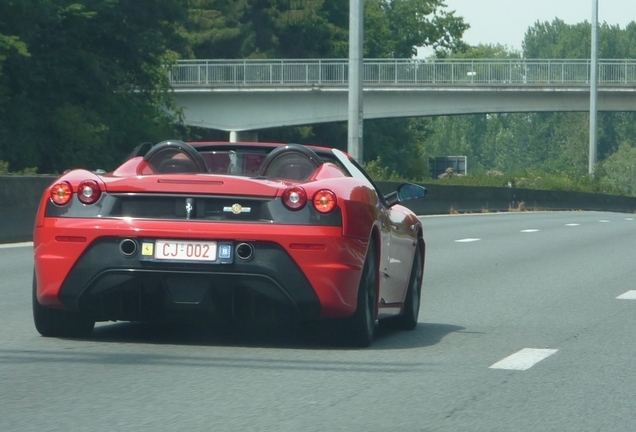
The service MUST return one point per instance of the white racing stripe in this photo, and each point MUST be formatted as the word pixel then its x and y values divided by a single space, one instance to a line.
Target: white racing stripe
pixel 467 240
pixel 524 359
pixel 16 245
pixel 629 295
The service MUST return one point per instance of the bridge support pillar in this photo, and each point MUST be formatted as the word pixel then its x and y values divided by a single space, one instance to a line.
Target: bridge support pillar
pixel 243 136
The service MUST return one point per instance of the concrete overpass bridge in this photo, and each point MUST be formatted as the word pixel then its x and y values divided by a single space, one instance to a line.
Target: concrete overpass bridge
pixel 244 95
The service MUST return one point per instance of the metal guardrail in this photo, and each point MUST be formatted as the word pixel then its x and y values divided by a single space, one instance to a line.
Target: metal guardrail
pixel 401 71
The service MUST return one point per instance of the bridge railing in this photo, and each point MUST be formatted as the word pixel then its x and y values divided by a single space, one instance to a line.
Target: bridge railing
pixel 400 71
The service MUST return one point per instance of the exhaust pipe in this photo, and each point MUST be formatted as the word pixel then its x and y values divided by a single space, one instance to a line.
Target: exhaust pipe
pixel 128 247
pixel 244 251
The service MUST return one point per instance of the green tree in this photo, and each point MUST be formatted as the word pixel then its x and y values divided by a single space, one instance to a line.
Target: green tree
pixel 455 136
pixel 8 44
pixel 11 43
pixel 484 51
pixel 317 28
pixel 94 85
pixel 265 28
pixel 559 40
pixel 414 24
pixel 618 171
pixel 212 26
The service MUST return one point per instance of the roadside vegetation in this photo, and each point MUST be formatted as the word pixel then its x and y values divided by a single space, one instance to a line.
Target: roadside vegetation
pixel 600 183
pixel 84 81
pixel 4 169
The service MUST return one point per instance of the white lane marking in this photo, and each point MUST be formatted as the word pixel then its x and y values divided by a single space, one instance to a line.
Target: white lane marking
pixel 604 221
pixel 629 295
pixel 15 245
pixel 572 224
pixel 524 359
pixel 467 240
pixel 529 230
pixel 629 218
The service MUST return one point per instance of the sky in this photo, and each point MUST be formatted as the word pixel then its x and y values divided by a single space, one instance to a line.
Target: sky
pixel 505 22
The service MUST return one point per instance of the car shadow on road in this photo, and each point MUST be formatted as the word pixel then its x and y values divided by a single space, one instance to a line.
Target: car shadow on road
pixel 424 335
pixel 289 335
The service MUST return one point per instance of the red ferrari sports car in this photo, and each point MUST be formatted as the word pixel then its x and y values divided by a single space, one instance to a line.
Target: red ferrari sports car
pixel 227 229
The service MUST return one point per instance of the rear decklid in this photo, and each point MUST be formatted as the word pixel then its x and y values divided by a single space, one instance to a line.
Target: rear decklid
pixel 193 184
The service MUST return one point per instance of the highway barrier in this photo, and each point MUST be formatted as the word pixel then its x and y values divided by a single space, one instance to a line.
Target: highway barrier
pixel 446 199
pixel 19 199
pixel 20 196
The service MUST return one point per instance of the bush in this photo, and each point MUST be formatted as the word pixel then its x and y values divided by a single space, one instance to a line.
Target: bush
pixel 379 172
pixel 618 171
pixel 4 169
pixel 612 182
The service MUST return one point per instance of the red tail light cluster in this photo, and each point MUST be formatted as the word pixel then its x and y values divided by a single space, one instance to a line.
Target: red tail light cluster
pixel 325 201
pixel 61 193
pixel 295 198
pixel 88 192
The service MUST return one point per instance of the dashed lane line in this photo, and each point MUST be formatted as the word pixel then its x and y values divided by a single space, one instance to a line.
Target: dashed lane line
pixel 629 295
pixel 16 245
pixel 467 240
pixel 529 230
pixel 524 359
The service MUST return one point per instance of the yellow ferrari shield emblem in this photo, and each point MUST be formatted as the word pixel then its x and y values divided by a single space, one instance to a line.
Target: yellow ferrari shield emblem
pixel 147 249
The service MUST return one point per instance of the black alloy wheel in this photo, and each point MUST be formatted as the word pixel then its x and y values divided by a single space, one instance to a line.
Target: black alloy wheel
pixel 408 319
pixel 360 327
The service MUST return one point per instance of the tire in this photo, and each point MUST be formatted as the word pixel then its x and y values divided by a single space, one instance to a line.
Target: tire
pixel 59 323
pixel 408 319
pixel 360 327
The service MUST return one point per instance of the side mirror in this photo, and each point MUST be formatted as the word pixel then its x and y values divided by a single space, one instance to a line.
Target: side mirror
pixel 405 192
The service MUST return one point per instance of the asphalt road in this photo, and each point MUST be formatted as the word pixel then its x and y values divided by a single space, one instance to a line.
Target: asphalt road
pixel 526 325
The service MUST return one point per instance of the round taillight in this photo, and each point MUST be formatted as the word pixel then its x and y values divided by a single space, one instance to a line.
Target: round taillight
pixel 88 191
pixel 61 193
pixel 295 198
pixel 325 201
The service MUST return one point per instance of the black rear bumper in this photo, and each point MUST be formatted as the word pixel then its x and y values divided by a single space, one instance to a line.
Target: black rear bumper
pixel 105 285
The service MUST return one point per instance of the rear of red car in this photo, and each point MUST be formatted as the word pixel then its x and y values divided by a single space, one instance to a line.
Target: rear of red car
pixel 142 247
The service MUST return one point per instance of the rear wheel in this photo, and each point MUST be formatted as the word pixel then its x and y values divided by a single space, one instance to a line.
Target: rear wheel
pixel 408 319
pixel 360 327
pixel 59 323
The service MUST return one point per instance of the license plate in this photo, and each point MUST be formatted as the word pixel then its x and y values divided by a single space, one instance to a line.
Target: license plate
pixel 183 250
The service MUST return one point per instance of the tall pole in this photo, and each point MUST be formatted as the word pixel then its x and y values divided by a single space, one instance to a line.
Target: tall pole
pixel 594 88
pixel 356 78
